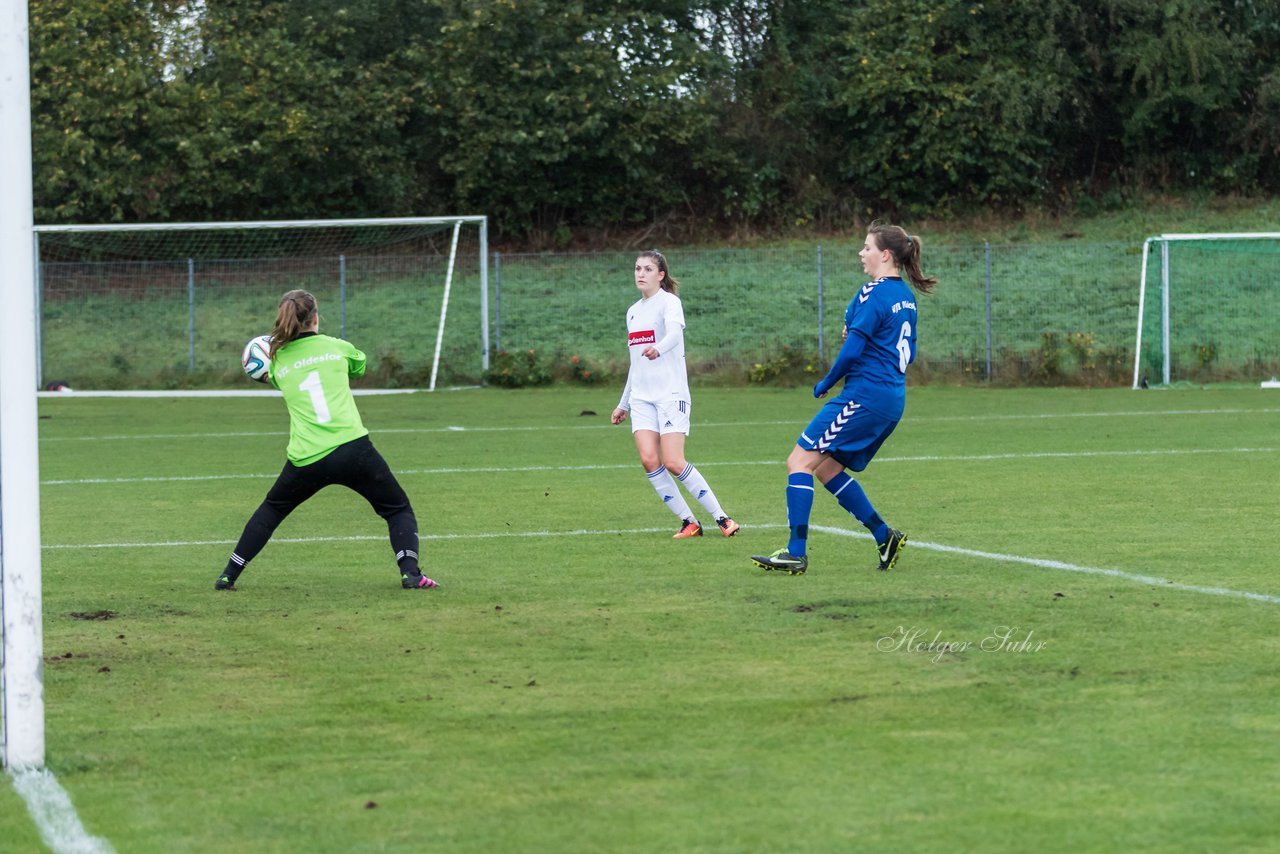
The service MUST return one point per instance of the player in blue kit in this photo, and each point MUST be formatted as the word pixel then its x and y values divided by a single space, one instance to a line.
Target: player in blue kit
pixel 880 341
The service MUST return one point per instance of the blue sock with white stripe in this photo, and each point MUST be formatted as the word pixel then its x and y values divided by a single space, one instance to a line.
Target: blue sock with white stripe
pixel 852 498
pixel 799 506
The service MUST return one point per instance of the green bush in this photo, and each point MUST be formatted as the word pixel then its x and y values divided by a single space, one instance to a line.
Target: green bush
pixel 577 369
pixel 790 367
pixel 1048 359
pixel 518 370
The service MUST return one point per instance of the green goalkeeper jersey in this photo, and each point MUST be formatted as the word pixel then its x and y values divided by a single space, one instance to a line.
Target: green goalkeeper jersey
pixel 313 372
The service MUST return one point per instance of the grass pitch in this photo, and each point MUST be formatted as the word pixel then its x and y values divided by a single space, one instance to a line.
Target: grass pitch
pixel 1075 652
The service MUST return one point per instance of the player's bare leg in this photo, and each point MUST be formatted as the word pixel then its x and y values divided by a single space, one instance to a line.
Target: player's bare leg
pixel 649 446
pixel 671 447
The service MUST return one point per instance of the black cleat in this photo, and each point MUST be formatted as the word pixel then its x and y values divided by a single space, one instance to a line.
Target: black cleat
pixel 891 548
pixel 783 561
pixel 224 582
pixel 417 581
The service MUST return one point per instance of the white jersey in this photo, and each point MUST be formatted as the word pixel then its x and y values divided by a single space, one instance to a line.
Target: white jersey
pixel 656 321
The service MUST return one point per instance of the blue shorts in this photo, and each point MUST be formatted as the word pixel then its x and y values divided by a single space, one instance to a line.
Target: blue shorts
pixel 848 432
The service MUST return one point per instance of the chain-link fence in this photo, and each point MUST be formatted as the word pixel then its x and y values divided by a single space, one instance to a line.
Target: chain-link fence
pixel 1063 312
pixel 1046 313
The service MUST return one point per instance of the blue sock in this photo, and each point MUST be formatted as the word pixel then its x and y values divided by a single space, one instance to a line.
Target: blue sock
pixel 799 505
pixel 851 497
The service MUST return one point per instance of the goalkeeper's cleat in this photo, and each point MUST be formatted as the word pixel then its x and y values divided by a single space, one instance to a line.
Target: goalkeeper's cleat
pixel 891 548
pixel 728 527
pixel 224 582
pixel 416 581
pixel 690 528
pixel 783 561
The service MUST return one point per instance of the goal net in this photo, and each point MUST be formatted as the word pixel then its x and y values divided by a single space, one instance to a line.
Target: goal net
pixel 171 306
pixel 1208 309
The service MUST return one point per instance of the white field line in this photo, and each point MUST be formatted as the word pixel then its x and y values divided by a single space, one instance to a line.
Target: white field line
pixel 1040 563
pixel 921 419
pixel 1046 455
pixel 1136 578
pixel 55 817
pixel 581 532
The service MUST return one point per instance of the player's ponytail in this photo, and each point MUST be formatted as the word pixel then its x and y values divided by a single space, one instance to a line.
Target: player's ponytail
pixel 296 314
pixel 906 253
pixel 669 284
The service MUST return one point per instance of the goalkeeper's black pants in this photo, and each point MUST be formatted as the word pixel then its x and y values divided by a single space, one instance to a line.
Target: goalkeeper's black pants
pixel 356 465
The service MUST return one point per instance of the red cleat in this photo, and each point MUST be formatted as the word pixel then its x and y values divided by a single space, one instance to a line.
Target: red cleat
pixel 728 527
pixel 690 528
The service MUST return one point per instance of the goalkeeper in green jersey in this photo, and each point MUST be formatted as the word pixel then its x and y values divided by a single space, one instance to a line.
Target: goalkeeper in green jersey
pixel 328 444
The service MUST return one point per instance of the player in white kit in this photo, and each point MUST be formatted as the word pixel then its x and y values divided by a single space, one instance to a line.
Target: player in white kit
pixel 657 396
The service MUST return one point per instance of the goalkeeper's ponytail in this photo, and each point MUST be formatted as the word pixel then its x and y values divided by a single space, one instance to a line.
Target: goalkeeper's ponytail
pixel 296 315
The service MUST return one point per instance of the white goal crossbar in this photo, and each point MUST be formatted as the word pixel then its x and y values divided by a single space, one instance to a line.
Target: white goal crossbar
pixel 1164 240
pixel 263 224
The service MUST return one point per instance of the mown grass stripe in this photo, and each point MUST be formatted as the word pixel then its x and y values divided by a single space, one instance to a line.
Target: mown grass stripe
pixel 457 428
pixel 1041 563
pixel 1045 455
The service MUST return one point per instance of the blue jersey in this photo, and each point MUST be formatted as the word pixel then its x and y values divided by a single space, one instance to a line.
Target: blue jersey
pixel 881 321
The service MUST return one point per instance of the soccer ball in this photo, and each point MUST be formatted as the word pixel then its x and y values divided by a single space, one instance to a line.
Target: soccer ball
pixel 256 361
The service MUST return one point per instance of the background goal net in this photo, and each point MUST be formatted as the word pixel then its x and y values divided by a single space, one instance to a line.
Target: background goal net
pixel 171 306
pixel 1208 308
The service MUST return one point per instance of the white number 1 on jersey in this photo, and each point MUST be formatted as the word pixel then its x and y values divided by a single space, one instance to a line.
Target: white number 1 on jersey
pixel 311 385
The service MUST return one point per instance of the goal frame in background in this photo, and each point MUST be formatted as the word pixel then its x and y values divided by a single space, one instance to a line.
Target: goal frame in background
pixel 1164 240
pixel 482 222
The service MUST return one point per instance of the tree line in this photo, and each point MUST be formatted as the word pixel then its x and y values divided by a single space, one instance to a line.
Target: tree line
pixel 593 114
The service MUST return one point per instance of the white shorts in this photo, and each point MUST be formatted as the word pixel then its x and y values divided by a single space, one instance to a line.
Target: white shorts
pixel 670 416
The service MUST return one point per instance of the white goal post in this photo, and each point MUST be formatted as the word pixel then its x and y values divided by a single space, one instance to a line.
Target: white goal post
pixel 381 282
pixel 1164 242
pixel 21 662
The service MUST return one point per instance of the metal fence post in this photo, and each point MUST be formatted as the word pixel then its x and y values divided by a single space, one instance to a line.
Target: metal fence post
pixel 822 352
pixel 191 315
pixel 986 245
pixel 342 296
pixel 497 301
